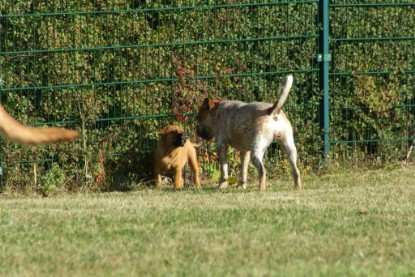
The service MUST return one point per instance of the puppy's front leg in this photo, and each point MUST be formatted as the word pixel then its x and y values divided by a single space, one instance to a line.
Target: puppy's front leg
pixel 195 167
pixel 157 176
pixel 178 178
pixel 223 160
pixel 245 158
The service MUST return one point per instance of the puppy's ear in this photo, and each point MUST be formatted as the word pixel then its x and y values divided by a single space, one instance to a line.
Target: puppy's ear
pixel 178 129
pixel 212 103
pixel 163 131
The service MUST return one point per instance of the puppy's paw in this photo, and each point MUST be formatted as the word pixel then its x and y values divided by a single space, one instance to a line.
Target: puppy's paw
pixel 223 184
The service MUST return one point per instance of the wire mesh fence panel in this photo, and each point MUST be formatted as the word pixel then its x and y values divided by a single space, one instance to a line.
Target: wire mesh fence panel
pixel 119 70
pixel 372 79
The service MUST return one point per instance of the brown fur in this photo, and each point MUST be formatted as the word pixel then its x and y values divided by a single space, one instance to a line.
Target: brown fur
pixel 16 132
pixel 169 158
pixel 249 128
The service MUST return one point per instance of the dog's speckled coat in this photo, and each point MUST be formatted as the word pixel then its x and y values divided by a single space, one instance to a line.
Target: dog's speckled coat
pixel 249 128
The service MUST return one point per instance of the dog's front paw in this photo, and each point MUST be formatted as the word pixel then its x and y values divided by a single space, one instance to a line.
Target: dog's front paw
pixel 223 184
pixel 241 185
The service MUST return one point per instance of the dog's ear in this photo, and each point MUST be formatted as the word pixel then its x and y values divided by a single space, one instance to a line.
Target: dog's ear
pixel 212 103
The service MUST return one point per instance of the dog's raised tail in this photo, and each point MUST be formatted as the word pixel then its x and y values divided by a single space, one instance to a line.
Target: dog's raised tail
pixel 286 87
pixel 16 132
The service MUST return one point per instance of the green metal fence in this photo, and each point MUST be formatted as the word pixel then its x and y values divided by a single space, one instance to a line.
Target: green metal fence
pixel 119 70
pixel 372 82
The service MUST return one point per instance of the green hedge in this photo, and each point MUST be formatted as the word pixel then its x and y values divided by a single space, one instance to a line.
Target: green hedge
pixel 119 70
pixel 372 79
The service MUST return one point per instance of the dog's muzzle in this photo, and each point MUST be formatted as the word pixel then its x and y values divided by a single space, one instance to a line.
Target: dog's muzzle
pixel 201 132
pixel 179 139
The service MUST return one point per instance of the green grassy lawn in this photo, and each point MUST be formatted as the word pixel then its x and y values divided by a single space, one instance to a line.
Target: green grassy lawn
pixel 349 223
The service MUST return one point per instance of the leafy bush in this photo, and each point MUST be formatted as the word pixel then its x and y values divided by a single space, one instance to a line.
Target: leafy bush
pixel 120 70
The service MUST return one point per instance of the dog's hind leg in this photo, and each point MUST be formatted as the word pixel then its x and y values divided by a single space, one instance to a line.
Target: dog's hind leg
pixel 256 157
pixel 223 160
pixel 245 158
pixel 291 151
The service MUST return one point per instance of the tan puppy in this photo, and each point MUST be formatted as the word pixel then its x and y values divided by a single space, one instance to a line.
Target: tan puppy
pixel 173 150
pixel 249 128
pixel 16 132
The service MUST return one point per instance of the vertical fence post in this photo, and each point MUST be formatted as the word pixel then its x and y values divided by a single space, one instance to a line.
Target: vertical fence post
pixel 324 58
